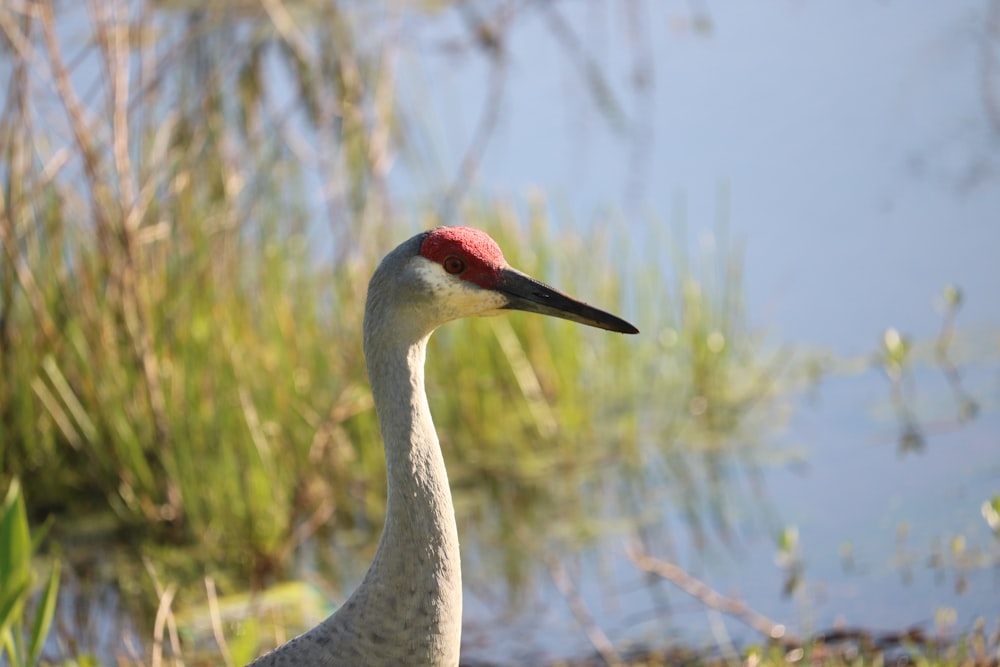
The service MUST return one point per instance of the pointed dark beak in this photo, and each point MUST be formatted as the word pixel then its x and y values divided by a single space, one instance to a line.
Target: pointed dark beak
pixel 525 293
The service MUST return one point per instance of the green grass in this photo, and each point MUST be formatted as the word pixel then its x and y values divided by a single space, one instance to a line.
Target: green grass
pixel 26 610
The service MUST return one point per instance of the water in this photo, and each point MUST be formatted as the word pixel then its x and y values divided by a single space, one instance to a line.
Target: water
pixel 899 513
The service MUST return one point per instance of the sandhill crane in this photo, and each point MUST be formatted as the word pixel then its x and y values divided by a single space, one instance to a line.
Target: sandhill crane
pixel 408 608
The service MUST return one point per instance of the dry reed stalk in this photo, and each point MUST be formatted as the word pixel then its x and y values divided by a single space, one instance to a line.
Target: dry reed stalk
pixel 568 590
pixel 706 595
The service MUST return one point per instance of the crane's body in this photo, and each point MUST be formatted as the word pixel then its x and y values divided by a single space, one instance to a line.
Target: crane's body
pixel 408 608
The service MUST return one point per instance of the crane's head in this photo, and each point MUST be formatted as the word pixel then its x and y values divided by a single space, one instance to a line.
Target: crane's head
pixel 464 273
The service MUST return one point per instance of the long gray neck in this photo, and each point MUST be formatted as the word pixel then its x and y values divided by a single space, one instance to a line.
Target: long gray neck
pixel 408 608
pixel 410 601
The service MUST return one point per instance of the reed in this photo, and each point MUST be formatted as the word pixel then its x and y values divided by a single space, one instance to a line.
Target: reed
pixel 175 350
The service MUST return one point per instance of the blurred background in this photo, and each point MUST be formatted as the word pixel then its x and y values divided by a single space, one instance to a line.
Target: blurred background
pixel 795 201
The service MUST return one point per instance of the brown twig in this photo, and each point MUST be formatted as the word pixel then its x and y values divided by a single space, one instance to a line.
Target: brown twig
pixel 164 618
pixel 113 39
pixel 213 613
pixel 163 615
pixel 597 638
pixel 601 91
pixel 15 147
pixel 707 596
pixel 492 43
pixel 116 235
pixel 82 132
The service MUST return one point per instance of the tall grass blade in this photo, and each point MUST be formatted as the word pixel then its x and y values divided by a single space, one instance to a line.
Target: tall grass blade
pixel 16 549
pixel 70 399
pixel 11 603
pixel 15 557
pixel 12 646
pixel 44 615
pixel 40 532
pixel 55 411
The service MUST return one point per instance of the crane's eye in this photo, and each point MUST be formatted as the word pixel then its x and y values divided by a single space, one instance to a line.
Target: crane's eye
pixel 453 264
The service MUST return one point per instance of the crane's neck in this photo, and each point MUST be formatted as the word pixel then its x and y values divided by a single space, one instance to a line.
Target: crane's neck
pixel 411 596
pixel 420 517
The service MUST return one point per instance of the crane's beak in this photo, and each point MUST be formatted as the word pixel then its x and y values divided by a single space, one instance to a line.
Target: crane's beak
pixel 525 293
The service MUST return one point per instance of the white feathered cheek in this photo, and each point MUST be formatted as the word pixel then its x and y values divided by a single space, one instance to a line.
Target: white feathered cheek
pixel 453 297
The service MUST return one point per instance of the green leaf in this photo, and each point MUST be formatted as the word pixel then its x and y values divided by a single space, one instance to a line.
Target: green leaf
pixel 13 646
pixel 15 556
pixel 11 603
pixel 40 533
pixel 15 539
pixel 44 614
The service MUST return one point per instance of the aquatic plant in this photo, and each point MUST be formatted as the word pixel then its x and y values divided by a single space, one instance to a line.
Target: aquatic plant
pixel 23 631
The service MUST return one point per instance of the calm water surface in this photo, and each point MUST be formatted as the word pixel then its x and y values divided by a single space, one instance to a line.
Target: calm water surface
pixel 851 485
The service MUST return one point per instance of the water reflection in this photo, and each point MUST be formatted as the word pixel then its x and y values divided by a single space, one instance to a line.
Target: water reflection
pixel 706 495
pixel 896 359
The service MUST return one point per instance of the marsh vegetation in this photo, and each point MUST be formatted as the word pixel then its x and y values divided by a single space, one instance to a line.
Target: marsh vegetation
pixel 192 203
